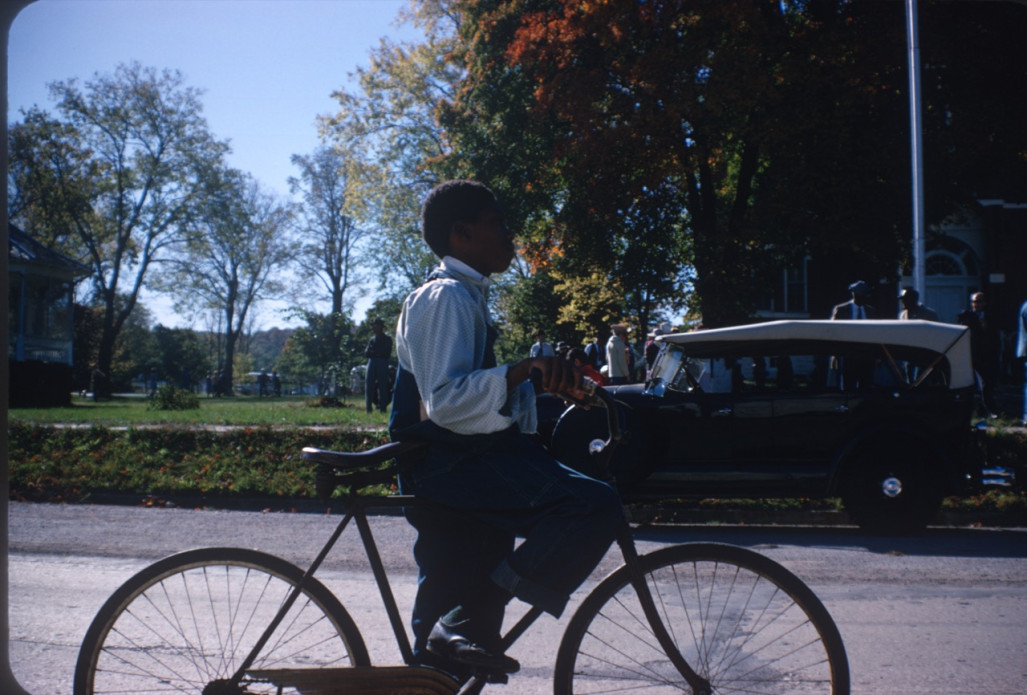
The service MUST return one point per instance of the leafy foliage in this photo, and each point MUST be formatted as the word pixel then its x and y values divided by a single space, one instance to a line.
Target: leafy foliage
pixel 735 137
pixel 167 397
pixel 111 179
pixel 67 464
pixel 332 237
pixel 238 243
pixel 323 351
pixel 392 142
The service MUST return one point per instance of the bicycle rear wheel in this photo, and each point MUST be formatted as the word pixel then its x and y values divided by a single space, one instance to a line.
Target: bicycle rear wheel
pixel 742 621
pixel 191 619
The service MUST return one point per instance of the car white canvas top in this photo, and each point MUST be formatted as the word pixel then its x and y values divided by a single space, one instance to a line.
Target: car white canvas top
pixel 946 339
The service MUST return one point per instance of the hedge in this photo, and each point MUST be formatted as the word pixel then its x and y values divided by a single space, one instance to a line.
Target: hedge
pixel 67 464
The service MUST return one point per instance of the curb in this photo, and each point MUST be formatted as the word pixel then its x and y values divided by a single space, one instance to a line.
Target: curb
pixel 641 514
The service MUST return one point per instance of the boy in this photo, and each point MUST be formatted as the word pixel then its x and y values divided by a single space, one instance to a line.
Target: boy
pixel 492 479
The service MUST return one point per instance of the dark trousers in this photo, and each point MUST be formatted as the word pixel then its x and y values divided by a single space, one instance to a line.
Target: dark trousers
pixel 376 381
pixel 503 490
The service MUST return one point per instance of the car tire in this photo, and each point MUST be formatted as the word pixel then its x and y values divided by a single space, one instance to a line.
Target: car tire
pixel 888 486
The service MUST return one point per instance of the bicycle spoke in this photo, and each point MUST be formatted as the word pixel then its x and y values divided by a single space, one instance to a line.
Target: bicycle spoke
pixel 741 627
pixel 176 629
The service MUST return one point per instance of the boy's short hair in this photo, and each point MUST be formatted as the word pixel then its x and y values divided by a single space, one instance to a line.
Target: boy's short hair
pixel 578 354
pixel 448 203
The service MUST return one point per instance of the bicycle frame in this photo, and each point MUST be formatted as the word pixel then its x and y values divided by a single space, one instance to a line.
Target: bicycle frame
pixel 356 507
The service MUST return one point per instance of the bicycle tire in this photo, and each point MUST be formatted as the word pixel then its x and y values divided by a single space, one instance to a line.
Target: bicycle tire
pixel 740 620
pixel 192 618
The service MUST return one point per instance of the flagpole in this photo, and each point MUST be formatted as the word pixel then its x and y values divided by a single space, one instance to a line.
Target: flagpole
pixel 916 145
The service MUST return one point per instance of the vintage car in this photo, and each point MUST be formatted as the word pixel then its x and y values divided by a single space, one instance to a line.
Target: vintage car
pixel 878 413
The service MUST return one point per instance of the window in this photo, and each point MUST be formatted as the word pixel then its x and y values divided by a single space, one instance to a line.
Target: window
pixel 788 297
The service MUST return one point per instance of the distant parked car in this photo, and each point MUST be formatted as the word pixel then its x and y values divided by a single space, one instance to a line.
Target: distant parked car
pixel 876 412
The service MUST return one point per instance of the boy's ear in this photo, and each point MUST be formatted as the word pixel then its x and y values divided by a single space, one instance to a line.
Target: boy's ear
pixel 460 232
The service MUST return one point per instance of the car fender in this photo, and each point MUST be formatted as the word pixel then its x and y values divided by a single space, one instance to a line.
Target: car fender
pixel 905 428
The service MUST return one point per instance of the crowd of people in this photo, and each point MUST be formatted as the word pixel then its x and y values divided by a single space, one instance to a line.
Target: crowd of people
pixel 619 361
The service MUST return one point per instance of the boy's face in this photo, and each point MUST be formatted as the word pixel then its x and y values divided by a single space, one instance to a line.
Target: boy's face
pixel 484 244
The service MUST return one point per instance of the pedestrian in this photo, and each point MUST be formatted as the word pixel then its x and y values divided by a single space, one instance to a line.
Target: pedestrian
pixel 854 374
pixel 541 348
pixel 376 378
pixel 617 355
pixel 985 343
pixel 857 308
pixel 913 309
pixel 652 348
pixel 151 382
pixel 580 360
pixel 489 479
pixel 595 353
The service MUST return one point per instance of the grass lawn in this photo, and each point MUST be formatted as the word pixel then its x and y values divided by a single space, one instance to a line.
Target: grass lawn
pixel 286 411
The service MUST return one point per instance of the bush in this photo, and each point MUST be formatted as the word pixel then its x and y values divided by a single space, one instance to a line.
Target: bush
pixel 326 402
pixel 66 464
pixel 167 397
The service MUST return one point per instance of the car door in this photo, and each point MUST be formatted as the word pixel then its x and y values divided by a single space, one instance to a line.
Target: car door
pixel 698 428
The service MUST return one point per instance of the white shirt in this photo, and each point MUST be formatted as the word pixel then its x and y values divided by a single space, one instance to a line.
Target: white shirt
pixel 542 350
pixel 617 356
pixel 440 339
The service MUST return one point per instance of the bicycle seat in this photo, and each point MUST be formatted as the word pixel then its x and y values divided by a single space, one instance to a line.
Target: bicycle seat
pixel 357 470
pixel 359 459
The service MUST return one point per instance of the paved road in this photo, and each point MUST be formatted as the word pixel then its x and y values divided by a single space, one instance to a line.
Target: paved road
pixel 943 612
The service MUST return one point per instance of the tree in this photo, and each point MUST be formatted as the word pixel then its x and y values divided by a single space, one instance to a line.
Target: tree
pixel 324 350
pixel 112 179
pixel 640 122
pixel 239 243
pixel 332 236
pixel 181 356
pixel 393 143
pixel 135 351
pixel 764 132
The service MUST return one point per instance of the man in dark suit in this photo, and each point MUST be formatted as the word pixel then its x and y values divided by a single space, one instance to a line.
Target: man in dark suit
pixel 855 374
pixel 855 309
pixel 985 344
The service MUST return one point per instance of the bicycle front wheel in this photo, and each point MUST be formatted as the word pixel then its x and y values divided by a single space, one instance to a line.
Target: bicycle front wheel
pixel 739 619
pixel 190 620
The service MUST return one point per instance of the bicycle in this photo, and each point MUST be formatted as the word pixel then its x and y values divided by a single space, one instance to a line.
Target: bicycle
pixel 697 618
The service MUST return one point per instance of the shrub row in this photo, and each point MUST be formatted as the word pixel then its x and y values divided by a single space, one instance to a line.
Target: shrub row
pixel 67 464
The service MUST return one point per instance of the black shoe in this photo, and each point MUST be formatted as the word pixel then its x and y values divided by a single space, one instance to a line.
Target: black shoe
pixel 446 641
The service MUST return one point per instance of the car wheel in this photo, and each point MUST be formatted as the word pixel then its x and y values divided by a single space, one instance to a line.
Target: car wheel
pixel 888 487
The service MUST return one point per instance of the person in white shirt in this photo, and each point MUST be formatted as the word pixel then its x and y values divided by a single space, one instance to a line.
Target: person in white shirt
pixel 541 348
pixel 618 369
pixel 489 477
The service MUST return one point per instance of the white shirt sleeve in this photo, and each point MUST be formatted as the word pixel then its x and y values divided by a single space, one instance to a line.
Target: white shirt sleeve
pixel 440 340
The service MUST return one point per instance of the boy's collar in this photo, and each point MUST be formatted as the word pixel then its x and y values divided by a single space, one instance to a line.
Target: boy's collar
pixel 458 266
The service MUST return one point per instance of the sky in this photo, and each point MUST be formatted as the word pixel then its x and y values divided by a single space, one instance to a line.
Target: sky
pixel 267 68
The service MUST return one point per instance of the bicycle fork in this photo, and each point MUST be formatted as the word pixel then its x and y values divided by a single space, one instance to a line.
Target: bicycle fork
pixel 698 684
